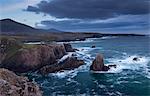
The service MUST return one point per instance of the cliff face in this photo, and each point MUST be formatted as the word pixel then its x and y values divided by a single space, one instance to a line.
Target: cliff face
pixel 68 64
pixel 27 59
pixel 8 46
pixel 33 57
pixel 13 85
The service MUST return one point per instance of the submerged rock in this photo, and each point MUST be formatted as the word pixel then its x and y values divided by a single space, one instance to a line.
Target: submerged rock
pixel 136 59
pixel 68 64
pixel 93 46
pixel 113 65
pixel 30 59
pixel 13 85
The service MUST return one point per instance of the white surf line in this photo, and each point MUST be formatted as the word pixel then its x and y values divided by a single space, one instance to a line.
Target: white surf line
pixel 34 43
pixel 69 54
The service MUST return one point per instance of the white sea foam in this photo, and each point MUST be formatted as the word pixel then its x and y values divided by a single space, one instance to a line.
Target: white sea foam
pixel 65 73
pixel 128 63
pixel 108 37
pixel 125 62
pixel 34 43
pixel 89 40
pixel 66 56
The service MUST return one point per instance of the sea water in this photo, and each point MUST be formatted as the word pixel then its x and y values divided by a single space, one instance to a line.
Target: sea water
pixel 129 78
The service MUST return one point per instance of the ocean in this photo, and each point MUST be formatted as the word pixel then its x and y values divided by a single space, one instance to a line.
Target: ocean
pixel 130 78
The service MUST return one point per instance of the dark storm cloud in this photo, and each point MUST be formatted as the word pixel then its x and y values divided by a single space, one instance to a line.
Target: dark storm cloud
pixel 91 9
pixel 122 22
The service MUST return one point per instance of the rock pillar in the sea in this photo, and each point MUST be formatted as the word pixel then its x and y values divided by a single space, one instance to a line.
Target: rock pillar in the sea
pixel 98 64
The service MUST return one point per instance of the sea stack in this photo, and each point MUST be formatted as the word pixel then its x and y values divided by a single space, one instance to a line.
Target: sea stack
pixel 98 64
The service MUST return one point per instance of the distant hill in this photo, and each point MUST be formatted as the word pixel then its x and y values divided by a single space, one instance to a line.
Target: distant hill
pixel 11 26
pixel 53 30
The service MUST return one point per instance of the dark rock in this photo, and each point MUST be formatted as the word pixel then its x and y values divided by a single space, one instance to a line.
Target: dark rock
pixel 135 59
pixel 68 64
pixel 30 59
pixel 105 68
pixel 76 49
pixel 13 85
pixel 93 46
pixel 68 47
pixel 98 64
pixel 113 65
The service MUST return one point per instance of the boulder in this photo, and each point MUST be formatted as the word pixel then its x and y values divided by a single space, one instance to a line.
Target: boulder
pixel 93 46
pixel 13 85
pixel 30 59
pixel 136 59
pixel 112 65
pixel 68 47
pixel 68 64
pixel 98 64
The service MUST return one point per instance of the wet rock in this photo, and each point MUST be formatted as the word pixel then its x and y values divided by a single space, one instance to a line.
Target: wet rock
pixel 68 64
pixel 136 59
pixel 98 64
pixel 13 85
pixel 69 48
pixel 93 46
pixel 30 59
pixel 113 65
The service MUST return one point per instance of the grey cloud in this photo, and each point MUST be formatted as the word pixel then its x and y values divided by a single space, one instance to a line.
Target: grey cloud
pixel 91 9
pixel 139 22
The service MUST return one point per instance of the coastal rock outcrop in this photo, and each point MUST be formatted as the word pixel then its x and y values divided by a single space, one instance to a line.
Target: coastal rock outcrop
pixel 68 64
pixel 136 59
pixel 29 59
pixel 68 47
pixel 8 45
pixel 98 64
pixel 93 46
pixel 13 85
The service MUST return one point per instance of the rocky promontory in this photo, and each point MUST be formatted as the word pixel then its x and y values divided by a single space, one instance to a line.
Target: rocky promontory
pixel 68 64
pixel 13 85
pixel 28 59
pixel 34 57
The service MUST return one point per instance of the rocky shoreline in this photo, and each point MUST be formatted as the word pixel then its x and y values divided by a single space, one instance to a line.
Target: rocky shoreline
pixel 43 58
pixel 13 85
pixel 18 58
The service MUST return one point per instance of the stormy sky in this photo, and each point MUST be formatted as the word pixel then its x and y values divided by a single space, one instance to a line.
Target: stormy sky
pixel 109 16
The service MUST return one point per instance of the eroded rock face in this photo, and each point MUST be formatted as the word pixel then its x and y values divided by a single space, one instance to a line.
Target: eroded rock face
pixel 68 47
pixel 98 64
pixel 6 45
pixel 13 85
pixel 34 58
pixel 68 64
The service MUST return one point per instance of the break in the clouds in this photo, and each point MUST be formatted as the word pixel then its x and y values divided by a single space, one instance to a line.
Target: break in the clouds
pixel 94 15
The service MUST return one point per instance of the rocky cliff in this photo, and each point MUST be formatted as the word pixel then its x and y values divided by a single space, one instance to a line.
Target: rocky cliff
pixel 27 59
pixel 68 64
pixel 13 85
pixel 33 57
